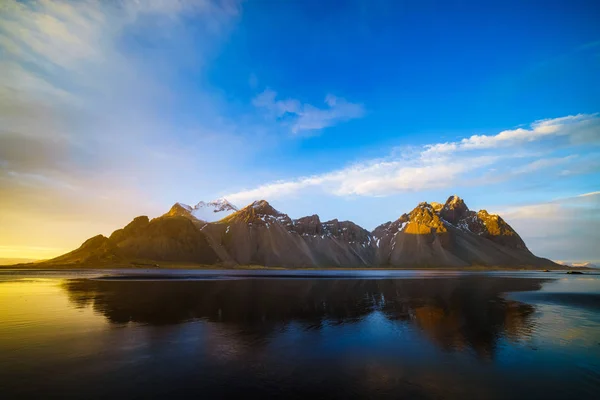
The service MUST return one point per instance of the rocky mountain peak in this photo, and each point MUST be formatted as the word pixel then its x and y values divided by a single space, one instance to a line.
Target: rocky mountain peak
pixel 454 209
pixel 309 225
pixel 423 220
pixel 436 206
pixel 94 242
pixel 382 229
pixel 391 227
pixel 346 230
pixel 138 224
pixel 485 214
pixel 262 207
pixel 489 226
pixel 179 209
pixel 260 213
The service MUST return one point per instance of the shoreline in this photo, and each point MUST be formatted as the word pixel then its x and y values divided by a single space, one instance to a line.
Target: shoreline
pixel 200 267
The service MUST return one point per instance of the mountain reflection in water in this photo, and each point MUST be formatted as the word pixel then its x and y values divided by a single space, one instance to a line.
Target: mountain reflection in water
pixel 455 314
pixel 295 334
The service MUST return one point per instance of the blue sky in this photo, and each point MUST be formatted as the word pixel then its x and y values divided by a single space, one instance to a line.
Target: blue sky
pixel 349 109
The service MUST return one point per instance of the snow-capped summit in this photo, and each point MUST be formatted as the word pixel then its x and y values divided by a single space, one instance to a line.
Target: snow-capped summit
pixel 213 210
pixel 206 211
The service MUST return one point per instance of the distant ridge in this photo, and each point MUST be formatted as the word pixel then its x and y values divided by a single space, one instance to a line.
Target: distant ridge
pixel 217 233
pixel 12 261
pixel 581 264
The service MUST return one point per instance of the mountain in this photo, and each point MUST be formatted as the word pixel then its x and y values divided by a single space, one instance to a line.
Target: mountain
pixel 431 235
pixel 259 234
pixel 451 235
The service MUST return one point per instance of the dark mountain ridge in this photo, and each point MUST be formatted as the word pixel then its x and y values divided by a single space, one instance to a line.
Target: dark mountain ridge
pixel 431 235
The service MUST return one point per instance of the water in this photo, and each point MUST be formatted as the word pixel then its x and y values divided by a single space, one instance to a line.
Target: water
pixel 294 334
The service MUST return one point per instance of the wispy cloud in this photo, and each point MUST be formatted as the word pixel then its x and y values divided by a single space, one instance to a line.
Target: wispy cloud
pixel 580 128
pixel 84 91
pixel 306 117
pixel 71 88
pixel 596 193
pixel 543 164
pixel 561 228
pixel 564 208
pixel 441 165
pixel 373 178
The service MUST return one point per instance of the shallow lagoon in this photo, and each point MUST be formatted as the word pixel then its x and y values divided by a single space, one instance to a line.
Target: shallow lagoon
pixel 398 334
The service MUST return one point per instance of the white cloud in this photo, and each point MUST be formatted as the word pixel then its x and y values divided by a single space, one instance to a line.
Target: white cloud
pixel 579 128
pixel 597 193
pixel 563 208
pixel 375 178
pixel 433 166
pixel 533 211
pixel 306 117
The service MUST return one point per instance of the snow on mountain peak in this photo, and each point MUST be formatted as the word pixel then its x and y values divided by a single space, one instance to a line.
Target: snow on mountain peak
pixel 213 210
pixel 184 206
pixel 218 205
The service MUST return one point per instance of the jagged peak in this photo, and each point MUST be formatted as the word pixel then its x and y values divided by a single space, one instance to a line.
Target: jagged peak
pixel 335 221
pixel 391 227
pixel 94 241
pixel 486 216
pixel 141 219
pixel 423 219
pixel 420 208
pixel 404 217
pixel 454 202
pixel 131 228
pixel 309 225
pixel 179 209
pixel 181 206
pixel 220 204
pixel 424 204
pixel 259 212
pixel 221 200
pixel 454 209
pixel 262 207
pixel 308 219
pixel 347 230
pixel 257 203
pixel 436 206
pixel 486 213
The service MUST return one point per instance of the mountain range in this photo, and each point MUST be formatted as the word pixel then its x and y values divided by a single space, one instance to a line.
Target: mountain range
pixel 218 233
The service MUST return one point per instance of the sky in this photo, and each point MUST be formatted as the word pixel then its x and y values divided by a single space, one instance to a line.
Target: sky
pixel 356 110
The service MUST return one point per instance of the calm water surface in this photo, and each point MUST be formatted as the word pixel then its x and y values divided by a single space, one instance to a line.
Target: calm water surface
pixel 215 334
